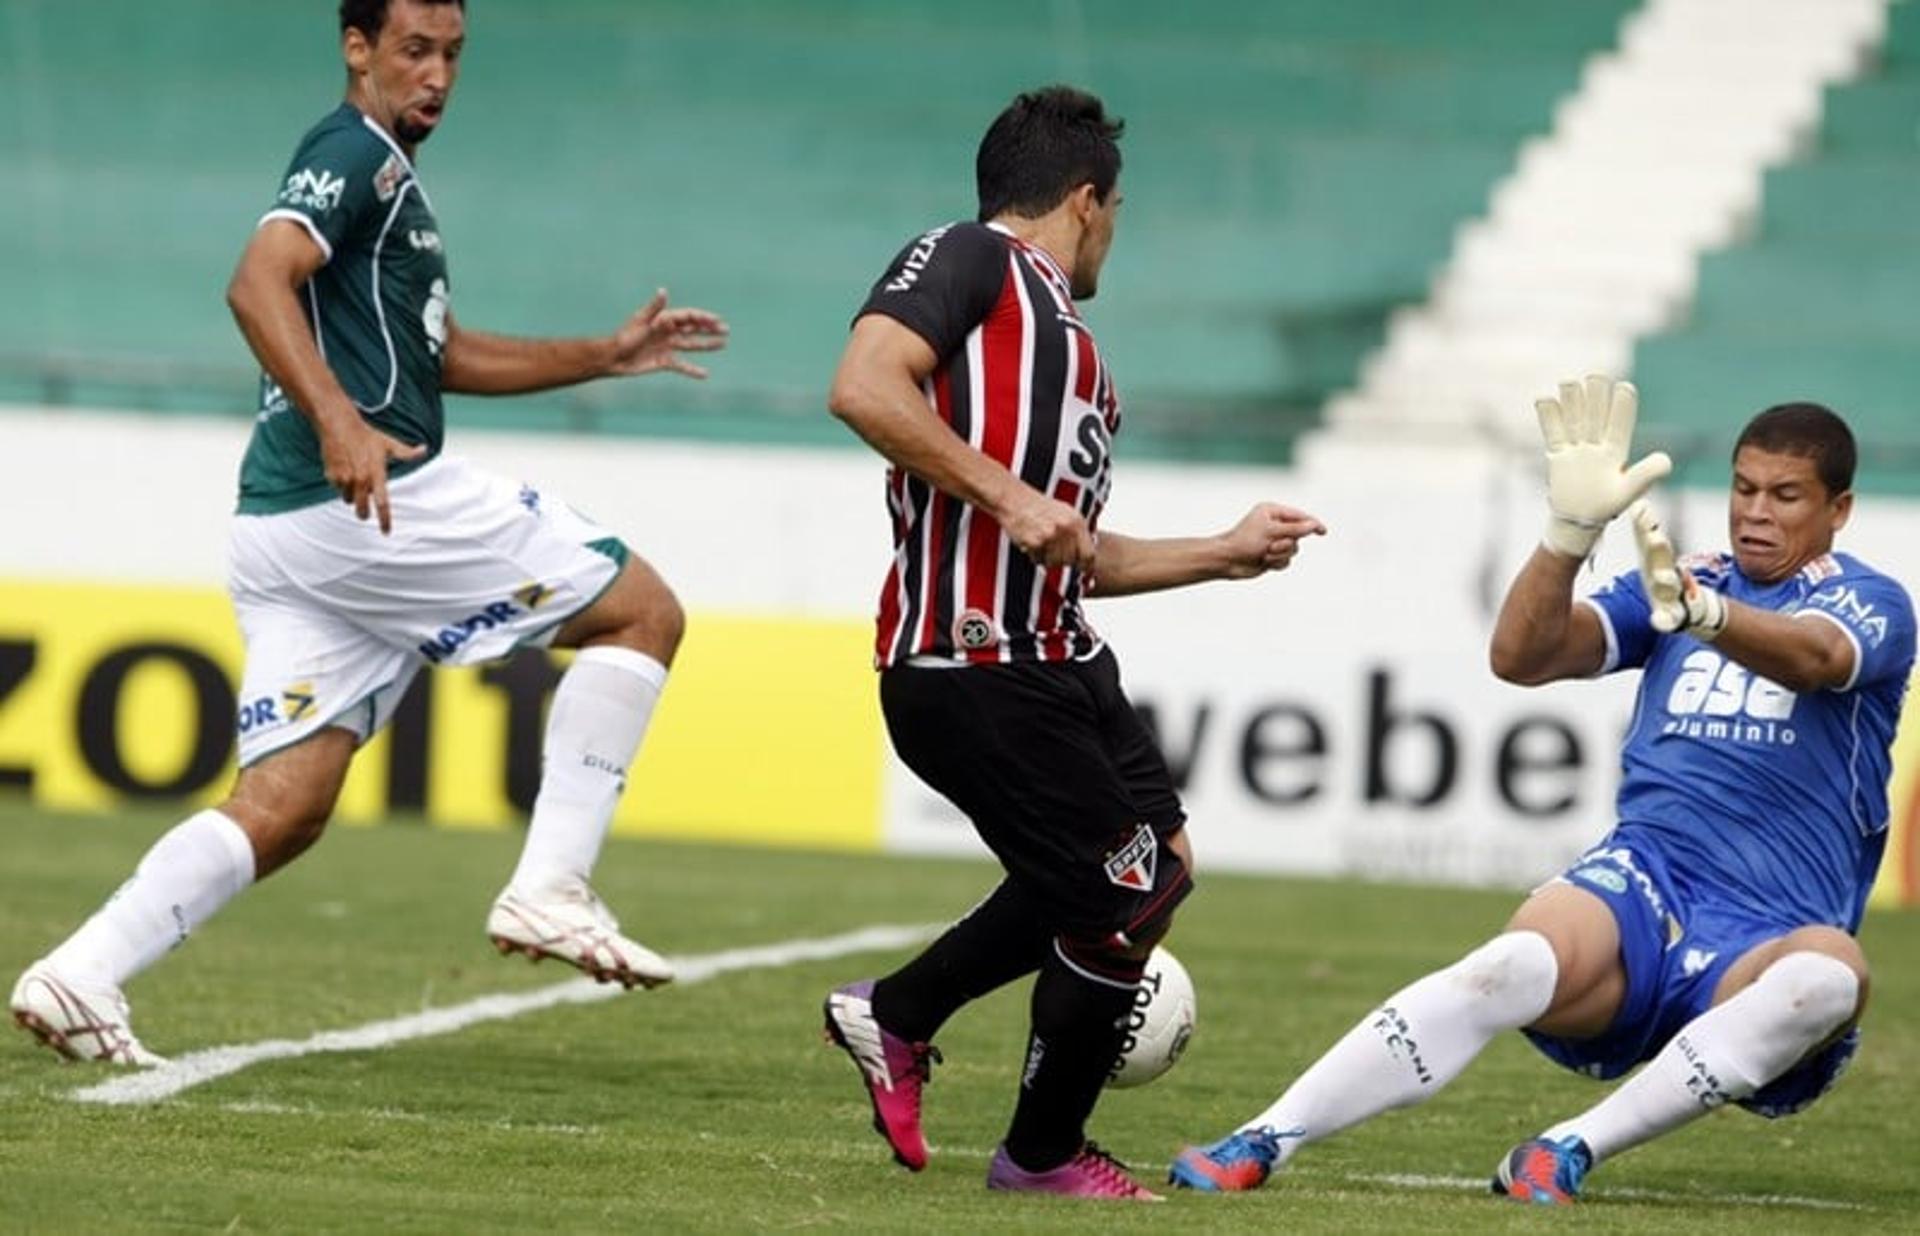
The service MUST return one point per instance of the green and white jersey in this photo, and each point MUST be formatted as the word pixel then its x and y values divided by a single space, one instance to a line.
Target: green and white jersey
pixel 378 307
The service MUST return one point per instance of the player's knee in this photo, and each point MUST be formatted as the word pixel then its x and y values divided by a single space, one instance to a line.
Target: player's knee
pixel 281 826
pixel 655 622
pixel 669 622
pixel 1821 992
pixel 1517 966
pixel 1141 943
pixel 1113 959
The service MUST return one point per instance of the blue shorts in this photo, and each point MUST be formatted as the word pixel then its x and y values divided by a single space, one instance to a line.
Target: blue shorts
pixel 1676 944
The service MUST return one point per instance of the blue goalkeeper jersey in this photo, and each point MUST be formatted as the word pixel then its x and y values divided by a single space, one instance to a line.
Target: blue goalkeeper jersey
pixel 1774 799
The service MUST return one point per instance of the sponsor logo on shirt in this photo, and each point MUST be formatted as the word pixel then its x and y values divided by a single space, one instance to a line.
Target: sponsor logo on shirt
pixel 1696 961
pixel 433 317
pixel 423 240
pixel 1134 864
pixel 1622 859
pixel 451 637
pixel 917 260
pixel 317 191
pixel 1603 877
pixel 1845 604
pixel 1722 701
pixel 295 703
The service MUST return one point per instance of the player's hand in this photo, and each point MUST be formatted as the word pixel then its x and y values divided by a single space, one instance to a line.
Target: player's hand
pixel 355 458
pixel 1266 539
pixel 1679 602
pixel 1588 431
pixel 1049 531
pixel 655 336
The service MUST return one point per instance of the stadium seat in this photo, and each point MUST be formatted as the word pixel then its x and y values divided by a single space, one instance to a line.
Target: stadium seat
pixel 1295 173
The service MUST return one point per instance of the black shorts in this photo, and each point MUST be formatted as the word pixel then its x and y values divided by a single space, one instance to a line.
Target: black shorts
pixel 1060 778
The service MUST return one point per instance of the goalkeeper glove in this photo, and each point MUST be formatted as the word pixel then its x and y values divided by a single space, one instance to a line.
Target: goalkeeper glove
pixel 1587 432
pixel 1679 602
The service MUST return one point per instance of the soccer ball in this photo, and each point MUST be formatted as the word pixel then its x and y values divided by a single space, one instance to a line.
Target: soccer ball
pixel 1159 1024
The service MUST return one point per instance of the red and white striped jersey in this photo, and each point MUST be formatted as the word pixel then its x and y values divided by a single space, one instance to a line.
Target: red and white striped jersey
pixel 1021 380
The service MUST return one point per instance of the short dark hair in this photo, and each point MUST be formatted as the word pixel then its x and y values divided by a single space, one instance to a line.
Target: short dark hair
pixel 1044 145
pixel 369 17
pixel 1810 430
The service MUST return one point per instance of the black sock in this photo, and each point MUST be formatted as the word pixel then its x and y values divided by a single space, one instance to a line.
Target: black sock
pixel 1002 939
pixel 1078 1025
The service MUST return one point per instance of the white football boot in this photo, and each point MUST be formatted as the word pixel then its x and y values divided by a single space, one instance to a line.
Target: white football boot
pixel 574 925
pixel 80 1020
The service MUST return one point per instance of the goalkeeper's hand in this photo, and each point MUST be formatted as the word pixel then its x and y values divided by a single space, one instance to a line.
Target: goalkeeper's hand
pixel 1587 431
pixel 1679 602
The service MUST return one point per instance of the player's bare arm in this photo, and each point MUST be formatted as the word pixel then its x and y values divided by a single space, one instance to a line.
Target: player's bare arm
pixel 655 339
pixel 278 260
pixel 877 393
pixel 1541 636
pixel 1802 652
pixel 1266 539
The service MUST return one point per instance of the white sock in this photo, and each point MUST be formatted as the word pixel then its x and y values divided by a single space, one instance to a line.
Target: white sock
pixel 1726 1053
pixel 197 867
pixel 1418 1040
pixel 599 714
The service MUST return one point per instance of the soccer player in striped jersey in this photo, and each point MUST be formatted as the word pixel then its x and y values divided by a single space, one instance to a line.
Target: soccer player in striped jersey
pixel 971 370
pixel 1710 936
pixel 343 295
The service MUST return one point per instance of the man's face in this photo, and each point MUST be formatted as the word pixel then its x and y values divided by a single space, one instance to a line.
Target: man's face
pixel 1095 239
pixel 1781 516
pixel 407 75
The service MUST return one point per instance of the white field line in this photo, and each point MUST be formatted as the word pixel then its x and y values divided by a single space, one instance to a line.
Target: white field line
pixel 1478 1184
pixel 1322 1181
pixel 199 1067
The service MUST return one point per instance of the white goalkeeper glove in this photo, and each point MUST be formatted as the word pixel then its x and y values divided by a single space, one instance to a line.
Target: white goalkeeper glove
pixel 1679 602
pixel 1588 431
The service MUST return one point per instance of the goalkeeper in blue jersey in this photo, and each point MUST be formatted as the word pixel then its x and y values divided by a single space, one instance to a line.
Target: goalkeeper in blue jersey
pixel 1710 936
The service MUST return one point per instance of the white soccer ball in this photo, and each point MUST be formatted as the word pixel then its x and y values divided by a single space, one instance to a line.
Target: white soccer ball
pixel 1159 1025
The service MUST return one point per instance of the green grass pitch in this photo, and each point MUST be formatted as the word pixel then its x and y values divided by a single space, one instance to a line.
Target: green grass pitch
pixel 715 1107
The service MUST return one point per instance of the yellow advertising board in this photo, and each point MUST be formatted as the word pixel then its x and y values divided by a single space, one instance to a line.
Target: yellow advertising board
pixel 769 732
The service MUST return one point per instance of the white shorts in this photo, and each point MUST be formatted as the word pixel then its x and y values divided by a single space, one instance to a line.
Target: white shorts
pixel 338 618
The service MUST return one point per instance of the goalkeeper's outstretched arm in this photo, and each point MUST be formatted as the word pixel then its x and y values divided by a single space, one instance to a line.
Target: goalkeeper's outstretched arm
pixel 1541 636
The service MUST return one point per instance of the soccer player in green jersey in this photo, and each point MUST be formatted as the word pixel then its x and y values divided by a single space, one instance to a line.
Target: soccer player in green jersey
pixel 342 294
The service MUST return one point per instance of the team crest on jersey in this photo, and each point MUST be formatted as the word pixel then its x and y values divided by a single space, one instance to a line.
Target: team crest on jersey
pixel 1822 568
pixel 1135 863
pixel 974 630
pixel 386 181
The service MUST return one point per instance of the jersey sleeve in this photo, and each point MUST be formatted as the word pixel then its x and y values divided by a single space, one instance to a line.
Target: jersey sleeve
pixel 1876 615
pixel 338 181
pixel 1626 616
pixel 942 285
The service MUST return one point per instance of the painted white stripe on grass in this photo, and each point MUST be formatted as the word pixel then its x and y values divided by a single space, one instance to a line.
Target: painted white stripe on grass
pixel 1324 1182
pixel 199 1067
pixel 1478 1184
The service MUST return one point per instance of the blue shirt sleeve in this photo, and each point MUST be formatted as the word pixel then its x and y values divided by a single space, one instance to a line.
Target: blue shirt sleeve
pixel 1877 616
pixel 1628 618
